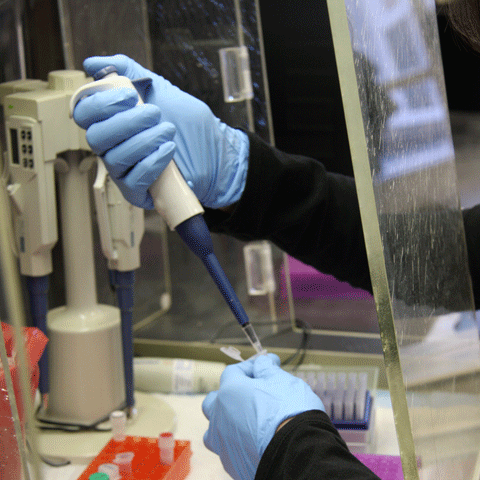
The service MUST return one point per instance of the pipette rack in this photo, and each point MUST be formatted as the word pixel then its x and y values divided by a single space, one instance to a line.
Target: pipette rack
pixel 146 462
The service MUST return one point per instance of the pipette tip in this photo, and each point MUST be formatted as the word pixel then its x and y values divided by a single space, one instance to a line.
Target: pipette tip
pixel 252 337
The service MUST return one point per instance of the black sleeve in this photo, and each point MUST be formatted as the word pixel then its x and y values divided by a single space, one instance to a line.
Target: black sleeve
pixel 313 215
pixel 310 448
pixel 309 213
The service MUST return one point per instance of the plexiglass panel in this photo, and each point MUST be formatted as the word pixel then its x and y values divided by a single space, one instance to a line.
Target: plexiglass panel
pixel 17 382
pixel 397 118
pixel 188 41
pixel 11 40
pixel 11 52
pixel 12 68
pixel 104 27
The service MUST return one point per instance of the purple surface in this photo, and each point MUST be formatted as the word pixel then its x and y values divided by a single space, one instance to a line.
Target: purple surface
pixel 310 283
pixel 387 467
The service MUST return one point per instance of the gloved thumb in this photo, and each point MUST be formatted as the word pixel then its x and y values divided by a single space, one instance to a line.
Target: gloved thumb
pixel 124 65
pixel 266 365
pixel 208 404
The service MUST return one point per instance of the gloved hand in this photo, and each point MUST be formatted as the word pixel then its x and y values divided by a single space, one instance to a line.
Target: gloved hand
pixel 254 398
pixel 136 145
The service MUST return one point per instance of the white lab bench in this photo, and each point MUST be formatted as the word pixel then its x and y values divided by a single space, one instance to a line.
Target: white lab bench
pixel 205 465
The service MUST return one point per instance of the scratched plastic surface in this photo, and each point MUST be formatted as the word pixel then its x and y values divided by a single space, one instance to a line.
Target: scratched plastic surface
pixel 146 462
pixel 398 122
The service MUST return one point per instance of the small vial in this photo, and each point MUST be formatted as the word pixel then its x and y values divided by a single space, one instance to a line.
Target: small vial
pixel 166 444
pixel 110 469
pixel 118 420
pixel 124 462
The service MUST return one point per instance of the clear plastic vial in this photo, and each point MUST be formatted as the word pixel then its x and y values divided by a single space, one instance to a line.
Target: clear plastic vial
pixel 124 462
pixel 118 421
pixel 111 470
pixel 166 444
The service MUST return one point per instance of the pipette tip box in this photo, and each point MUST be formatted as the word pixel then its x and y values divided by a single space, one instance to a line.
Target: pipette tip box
pixel 358 433
pixel 348 395
pixel 146 461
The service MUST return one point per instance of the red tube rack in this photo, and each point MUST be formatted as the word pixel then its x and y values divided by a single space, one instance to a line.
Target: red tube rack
pixel 146 462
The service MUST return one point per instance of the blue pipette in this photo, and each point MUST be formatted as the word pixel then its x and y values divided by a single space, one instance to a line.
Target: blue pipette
pixel 196 235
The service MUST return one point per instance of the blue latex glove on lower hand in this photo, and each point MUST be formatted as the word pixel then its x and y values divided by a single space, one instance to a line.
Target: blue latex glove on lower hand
pixel 137 142
pixel 254 398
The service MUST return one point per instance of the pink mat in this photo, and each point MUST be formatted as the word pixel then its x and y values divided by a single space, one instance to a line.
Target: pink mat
pixel 387 467
pixel 310 283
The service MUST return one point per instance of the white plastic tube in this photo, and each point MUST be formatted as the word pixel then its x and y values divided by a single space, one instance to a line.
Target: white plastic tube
pixel 350 397
pixel 339 396
pixel 166 444
pixel 111 470
pixel 124 462
pixel 360 399
pixel 118 421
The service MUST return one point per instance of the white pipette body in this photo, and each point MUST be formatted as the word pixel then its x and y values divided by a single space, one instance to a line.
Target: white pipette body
pixel 172 197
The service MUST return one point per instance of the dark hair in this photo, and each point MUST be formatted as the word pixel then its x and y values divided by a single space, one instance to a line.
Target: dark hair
pixel 464 17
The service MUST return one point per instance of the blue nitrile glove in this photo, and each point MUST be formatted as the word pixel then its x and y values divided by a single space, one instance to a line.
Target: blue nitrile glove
pixel 212 157
pixel 254 398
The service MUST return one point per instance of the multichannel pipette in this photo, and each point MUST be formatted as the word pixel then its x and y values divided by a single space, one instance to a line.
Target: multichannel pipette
pixel 178 205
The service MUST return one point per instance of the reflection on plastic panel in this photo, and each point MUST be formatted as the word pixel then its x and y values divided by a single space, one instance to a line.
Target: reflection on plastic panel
pixel 186 40
pixel 103 27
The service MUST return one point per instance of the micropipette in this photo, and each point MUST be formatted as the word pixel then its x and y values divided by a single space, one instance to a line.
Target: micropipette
pixel 195 234
pixel 178 205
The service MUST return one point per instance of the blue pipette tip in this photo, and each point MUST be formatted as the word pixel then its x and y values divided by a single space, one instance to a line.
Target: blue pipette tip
pixel 195 234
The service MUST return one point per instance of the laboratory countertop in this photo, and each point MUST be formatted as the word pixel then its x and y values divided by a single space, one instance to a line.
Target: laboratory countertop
pixel 205 465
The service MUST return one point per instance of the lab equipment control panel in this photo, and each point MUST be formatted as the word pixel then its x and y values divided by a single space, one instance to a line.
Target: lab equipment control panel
pixel 22 147
pixel 38 130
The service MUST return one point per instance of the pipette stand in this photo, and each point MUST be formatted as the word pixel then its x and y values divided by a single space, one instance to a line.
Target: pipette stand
pixel 85 346
pixel 146 462
pixel 86 366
